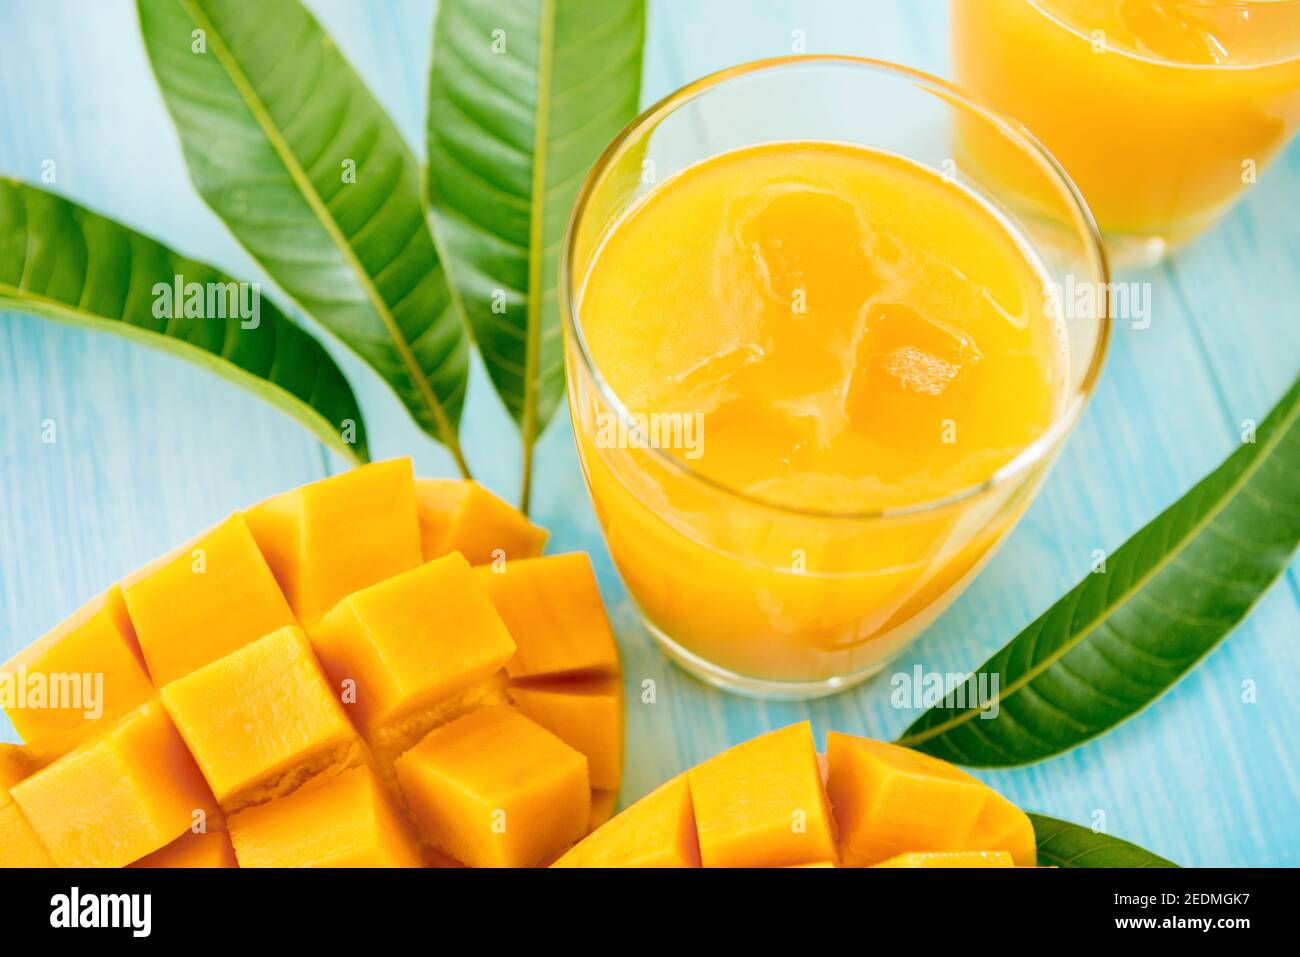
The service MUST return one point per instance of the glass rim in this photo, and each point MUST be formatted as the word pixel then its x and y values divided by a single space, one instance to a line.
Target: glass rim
pixel 1034 453
pixel 1042 7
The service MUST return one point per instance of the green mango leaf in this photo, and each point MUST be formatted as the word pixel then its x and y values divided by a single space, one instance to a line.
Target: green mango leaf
pixel 1062 844
pixel 286 144
pixel 61 261
pixel 1124 636
pixel 523 97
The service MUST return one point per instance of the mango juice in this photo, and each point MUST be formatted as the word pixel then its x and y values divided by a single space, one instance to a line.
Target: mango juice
pixel 1162 111
pixel 816 351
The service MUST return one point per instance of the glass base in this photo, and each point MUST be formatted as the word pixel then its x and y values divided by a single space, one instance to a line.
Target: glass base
pixel 751 687
pixel 1135 252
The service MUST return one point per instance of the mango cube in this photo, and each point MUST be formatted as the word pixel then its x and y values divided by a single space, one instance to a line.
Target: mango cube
pixel 891 800
pixel 343 821
pixel 78 679
pixel 603 804
pixel 262 720
pixel 330 538
pixel 412 641
pixel 116 798
pixel 553 610
pixel 494 789
pixel 202 849
pixel 462 516
pixel 656 831
pixel 584 714
pixel 950 859
pixel 203 601
pixel 761 804
pixel 19 845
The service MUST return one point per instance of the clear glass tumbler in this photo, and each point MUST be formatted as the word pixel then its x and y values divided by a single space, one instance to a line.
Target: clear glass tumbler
pixel 781 602
pixel 1162 111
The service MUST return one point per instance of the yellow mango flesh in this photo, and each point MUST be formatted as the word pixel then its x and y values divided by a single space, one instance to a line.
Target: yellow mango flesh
pixel 19 845
pixel 411 641
pixel 890 800
pixel 603 804
pixel 462 516
pixel 950 859
pixel 203 601
pixel 586 714
pixel 262 720
pixel 656 831
pixel 494 789
pixel 203 849
pixel 761 803
pixel 117 798
pixel 342 821
pixel 330 538
pixel 553 610
pixel 91 655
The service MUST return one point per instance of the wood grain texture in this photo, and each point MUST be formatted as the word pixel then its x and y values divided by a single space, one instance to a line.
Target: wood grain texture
pixel 149 451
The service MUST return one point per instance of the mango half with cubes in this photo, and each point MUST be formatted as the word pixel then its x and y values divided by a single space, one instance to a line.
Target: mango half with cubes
pixel 768 803
pixel 368 671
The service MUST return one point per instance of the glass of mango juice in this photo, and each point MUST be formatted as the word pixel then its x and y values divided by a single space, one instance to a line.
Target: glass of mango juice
pixel 1162 111
pixel 815 371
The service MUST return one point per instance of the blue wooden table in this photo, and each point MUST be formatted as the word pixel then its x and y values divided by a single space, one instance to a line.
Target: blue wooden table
pixel 149 450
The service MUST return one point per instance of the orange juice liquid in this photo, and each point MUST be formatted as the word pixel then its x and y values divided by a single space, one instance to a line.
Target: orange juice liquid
pixel 838 330
pixel 1160 110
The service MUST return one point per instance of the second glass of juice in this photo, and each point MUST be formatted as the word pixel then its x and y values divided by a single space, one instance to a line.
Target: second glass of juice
pixel 816 369
pixel 1162 111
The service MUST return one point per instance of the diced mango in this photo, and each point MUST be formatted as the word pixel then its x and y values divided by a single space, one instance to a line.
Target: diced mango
pixel 602 807
pixel 586 714
pixel 656 831
pixel 761 804
pixel 1003 825
pixel 78 679
pixel 203 601
pixel 203 849
pixel 462 516
pixel 494 789
pixel 553 610
pixel 950 859
pixel 116 798
pixel 891 800
pixel 262 720
pixel 343 821
pixel 411 641
pixel 19 845
pixel 330 538
pixel 815 864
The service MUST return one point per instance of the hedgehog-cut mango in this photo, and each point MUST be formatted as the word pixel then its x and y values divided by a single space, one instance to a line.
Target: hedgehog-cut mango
pixel 300 687
pixel 767 803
